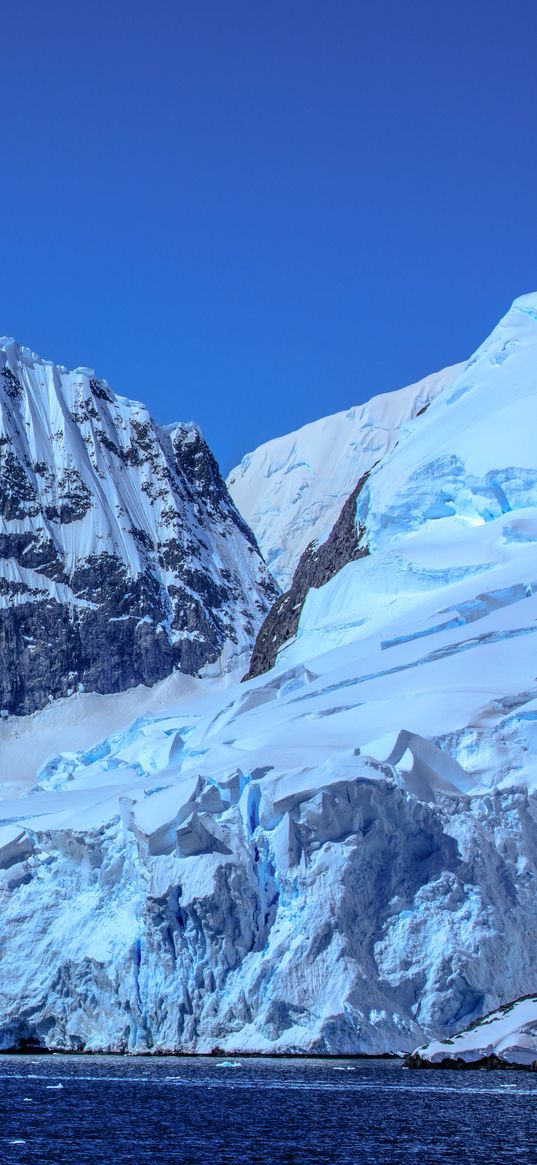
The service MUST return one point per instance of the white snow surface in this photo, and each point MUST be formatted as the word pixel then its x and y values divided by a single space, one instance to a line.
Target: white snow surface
pixel 337 856
pixel 510 1033
pixel 101 479
pixel 291 489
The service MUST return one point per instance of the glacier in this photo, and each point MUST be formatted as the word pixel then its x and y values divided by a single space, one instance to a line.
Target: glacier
pixel 291 489
pixel 339 855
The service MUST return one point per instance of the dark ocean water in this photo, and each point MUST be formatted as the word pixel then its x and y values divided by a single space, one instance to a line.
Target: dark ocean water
pixel 116 1111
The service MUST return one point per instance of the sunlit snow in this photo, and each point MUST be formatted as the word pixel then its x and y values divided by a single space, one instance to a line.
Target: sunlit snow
pixel 339 855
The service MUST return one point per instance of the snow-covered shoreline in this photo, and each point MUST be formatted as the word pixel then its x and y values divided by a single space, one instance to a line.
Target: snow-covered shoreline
pixel 505 1038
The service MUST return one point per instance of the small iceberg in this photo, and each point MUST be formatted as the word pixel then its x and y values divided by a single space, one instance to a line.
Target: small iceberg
pixel 229 1064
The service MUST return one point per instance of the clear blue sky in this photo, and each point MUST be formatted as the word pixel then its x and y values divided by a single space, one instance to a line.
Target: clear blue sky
pixel 252 213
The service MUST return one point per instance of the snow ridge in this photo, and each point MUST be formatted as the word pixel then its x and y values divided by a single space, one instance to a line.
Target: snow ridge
pixel 506 1036
pixel 339 855
pixel 291 489
pixel 121 553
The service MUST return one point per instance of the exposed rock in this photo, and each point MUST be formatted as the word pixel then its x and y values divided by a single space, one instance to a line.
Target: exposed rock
pixel 492 1062
pixel 504 1038
pixel 317 565
pixel 291 489
pixel 122 556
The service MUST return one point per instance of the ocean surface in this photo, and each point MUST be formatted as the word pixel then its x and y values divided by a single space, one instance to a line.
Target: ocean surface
pixel 254 1111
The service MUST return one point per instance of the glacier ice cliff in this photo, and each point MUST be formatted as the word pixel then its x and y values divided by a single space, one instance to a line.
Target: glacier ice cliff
pixel 340 854
pixel 352 905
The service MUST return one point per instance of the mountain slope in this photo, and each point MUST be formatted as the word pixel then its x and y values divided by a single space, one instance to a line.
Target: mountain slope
pixel 339 855
pixel 448 512
pixel 316 566
pixel 291 490
pixel 121 553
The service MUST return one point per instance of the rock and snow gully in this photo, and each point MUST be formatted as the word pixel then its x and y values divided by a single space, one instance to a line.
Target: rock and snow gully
pixel 122 555
pixel 340 854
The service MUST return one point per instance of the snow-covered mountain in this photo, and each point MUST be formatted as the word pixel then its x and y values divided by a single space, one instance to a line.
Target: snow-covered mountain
pixel 121 553
pixel 339 855
pixel 505 1036
pixel 291 489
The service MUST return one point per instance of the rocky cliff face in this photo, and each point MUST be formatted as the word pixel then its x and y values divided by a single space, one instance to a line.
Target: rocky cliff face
pixel 339 855
pixel 122 556
pixel 317 565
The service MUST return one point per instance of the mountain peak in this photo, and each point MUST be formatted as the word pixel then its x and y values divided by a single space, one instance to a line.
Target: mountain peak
pixel 291 489
pixel 122 556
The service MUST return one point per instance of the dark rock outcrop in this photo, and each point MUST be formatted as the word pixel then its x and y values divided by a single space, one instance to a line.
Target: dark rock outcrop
pixel 491 1062
pixel 122 556
pixel 317 565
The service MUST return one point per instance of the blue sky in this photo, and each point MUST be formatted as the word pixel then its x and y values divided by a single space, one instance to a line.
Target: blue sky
pixel 251 213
